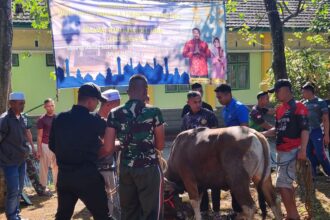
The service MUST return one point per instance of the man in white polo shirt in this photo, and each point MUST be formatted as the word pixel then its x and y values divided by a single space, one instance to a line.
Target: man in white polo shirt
pixel 107 165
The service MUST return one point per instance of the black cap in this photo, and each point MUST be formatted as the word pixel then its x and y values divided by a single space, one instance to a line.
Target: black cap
pixel 91 90
pixel 223 88
pixel 260 94
pixel 279 84
pixel 308 86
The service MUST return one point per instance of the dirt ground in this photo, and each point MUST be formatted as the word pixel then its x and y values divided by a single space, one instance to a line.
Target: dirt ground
pixel 44 208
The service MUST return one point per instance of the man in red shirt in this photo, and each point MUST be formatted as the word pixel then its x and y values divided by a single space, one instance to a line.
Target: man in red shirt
pixel 47 157
pixel 291 129
pixel 198 52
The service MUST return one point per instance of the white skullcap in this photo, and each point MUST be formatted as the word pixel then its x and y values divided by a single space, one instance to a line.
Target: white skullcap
pixel 111 95
pixel 19 96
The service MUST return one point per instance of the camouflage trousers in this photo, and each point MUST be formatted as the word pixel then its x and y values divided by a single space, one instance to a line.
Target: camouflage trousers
pixel 32 173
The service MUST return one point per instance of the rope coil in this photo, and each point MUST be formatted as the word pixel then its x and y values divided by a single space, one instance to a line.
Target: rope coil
pixel 305 185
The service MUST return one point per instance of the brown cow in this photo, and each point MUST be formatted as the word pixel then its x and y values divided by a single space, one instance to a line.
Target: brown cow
pixel 227 158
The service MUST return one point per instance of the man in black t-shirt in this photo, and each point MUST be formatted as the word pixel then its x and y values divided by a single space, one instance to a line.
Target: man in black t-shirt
pixel 75 140
pixel 196 87
pixel 201 117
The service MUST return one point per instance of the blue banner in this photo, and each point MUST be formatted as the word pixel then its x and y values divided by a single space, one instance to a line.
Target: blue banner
pixel 106 42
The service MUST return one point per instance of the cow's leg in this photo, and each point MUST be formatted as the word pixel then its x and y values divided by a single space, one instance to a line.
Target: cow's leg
pixel 240 189
pixel 194 196
pixel 270 196
pixel 196 206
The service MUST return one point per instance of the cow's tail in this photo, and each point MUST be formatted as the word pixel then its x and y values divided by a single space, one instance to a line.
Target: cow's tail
pixel 265 183
pixel 265 150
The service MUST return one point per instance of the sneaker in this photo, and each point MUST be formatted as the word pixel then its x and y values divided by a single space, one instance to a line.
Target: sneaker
pixel 46 194
pixel 319 172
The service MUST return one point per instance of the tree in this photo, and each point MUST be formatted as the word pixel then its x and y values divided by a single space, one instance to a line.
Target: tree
pixel 6 39
pixel 38 11
pixel 279 12
pixel 276 29
pixel 308 65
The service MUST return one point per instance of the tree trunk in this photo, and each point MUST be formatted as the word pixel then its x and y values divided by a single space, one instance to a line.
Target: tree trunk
pixel 276 30
pixel 6 39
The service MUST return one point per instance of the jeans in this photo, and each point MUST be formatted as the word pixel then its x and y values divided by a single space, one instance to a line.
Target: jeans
pixel 316 152
pixel 14 176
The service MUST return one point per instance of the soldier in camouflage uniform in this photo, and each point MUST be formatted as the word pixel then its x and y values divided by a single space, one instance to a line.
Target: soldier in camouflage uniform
pixel 140 130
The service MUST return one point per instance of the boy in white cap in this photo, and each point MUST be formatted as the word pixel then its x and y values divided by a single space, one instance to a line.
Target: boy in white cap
pixel 13 152
pixel 113 100
pixel 107 165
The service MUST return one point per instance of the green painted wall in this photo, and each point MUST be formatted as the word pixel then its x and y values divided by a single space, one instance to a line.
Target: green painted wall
pixel 168 100
pixel 32 77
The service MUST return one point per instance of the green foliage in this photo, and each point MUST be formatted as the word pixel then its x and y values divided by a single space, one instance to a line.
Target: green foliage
pixel 231 6
pixel 248 35
pixel 52 75
pixel 26 55
pixel 321 23
pixel 318 39
pixel 307 65
pixel 38 10
pixel 298 34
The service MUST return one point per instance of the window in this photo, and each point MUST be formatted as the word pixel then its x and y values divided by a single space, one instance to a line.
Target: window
pixel 177 88
pixel 238 70
pixel 14 59
pixel 50 60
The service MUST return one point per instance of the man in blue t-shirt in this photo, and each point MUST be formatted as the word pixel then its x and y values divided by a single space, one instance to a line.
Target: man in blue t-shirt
pixel 318 118
pixel 234 112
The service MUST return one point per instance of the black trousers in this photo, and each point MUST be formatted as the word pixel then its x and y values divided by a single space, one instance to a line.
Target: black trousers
pixel 85 184
pixel 215 194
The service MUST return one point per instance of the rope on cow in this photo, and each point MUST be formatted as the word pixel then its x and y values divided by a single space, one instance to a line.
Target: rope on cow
pixel 305 184
pixel 161 160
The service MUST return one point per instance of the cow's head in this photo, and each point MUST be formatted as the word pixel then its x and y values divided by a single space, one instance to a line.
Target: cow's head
pixel 173 204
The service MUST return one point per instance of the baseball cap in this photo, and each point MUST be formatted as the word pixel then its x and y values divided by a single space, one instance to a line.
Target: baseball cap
pixel 111 95
pixel 279 84
pixel 308 86
pixel 260 94
pixel 91 90
pixel 19 96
